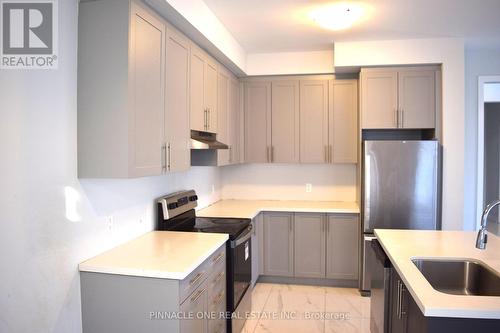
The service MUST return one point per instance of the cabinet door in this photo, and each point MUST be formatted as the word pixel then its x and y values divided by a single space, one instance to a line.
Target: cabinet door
pixel 417 98
pixel 379 99
pixel 309 245
pixel 195 303
pixel 398 304
pixel 177 130
pixel 210 86
pixel 257 121
pixel 234 127
pixel 344 128
pixel 285 122
pixel 147 42
pixel 342 247
pixel 198 114
pixel 278 244
pixel 313 121
pixel 223 109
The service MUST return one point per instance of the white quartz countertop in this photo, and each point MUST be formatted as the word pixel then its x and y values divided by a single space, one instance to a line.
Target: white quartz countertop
pixel 403 245
pixel 251 208
pixel 157 254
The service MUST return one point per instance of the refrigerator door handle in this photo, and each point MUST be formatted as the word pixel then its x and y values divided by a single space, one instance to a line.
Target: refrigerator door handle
pixel 366 201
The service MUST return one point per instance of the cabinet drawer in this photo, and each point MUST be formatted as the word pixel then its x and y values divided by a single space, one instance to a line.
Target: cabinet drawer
pixel 200 274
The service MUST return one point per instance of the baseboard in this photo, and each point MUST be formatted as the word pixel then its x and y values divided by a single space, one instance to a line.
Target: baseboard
pixel 309 281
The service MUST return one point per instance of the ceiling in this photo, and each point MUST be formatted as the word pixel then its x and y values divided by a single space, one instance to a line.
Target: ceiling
pixel 285 25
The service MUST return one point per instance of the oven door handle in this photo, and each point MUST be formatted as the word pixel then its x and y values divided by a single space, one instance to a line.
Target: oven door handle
pixel 243 239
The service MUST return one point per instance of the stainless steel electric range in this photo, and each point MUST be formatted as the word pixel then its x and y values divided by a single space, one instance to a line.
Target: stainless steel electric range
pixel 176 213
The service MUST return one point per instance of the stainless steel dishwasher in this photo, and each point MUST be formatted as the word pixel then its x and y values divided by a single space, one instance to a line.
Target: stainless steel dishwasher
pixel 380 285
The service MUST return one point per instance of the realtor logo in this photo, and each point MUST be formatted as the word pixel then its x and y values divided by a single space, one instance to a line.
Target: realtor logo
pixel 29 34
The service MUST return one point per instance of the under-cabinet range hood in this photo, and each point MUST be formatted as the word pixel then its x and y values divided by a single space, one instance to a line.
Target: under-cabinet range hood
pixel 205 140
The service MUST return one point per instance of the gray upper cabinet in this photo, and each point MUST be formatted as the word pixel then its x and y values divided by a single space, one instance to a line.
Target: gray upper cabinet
pixel 417 98
pixel 379 99
pixel 278 244
pixel 285 122
pixel 310 245
pixel 257 108
pixel 177 102
pixel 314 101
pixel 342 246
pixel 121 91
pixel 203 92
pixel 223 109
pixel 235 120
pixel 399 97
pixel 344 122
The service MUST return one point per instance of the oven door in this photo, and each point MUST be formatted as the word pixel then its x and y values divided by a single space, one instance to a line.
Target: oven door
pixel 241 271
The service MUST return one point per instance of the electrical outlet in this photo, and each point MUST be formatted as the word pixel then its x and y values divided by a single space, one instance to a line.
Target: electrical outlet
pixel 309 188
pixel 110 222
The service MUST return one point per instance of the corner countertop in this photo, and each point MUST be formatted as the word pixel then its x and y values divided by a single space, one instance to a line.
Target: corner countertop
pixel 403 245
pixel 251 208
pixel 157 254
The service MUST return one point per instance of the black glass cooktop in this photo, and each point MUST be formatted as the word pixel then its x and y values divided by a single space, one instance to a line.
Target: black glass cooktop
pixel 231 226
pixel 189 222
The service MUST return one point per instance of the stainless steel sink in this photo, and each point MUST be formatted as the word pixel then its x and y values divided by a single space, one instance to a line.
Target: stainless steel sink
pixel 460 277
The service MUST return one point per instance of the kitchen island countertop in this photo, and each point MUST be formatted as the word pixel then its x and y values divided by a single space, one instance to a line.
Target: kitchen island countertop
pixel 403 245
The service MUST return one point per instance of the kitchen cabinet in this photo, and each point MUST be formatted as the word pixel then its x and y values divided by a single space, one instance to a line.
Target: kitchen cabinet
pixel 257 108
pixel 257 245
pixel 228 118
pixel 177 134
pixel 278 244
pixel 234 122
pixel 398 304
pixel 203 91
pixel 141 304
pixel 417 98
pixel 314 100
pixel 284 147
pixel 309 245
pixel 223 110
pixel 124 125
pixel 344 121
pixel 399 97
pixel 342 246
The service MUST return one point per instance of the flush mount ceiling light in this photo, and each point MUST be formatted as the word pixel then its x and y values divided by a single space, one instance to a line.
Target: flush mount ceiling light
pixel 337 16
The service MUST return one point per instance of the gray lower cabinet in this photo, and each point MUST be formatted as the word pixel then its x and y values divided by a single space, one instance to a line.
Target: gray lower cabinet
pixel 309 245
pixel 342 246
pixel 130 304
pixel 278 244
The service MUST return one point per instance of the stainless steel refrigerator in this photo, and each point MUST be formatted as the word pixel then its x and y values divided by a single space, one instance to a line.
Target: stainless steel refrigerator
pixel 401 190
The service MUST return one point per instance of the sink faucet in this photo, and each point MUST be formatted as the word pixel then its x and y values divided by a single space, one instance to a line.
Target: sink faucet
pixel 482 236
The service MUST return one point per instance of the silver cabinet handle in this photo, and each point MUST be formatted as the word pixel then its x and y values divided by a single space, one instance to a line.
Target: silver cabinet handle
pixel 272 154
pixel 326 154
pixel 396 118
pixel 205 119
pixel 402 123
pixel 218 258
pixel 268 152
pixel 196 278
pixel 398 301
pixel 163 157
pixel 330 152
pixel 218 277
pixel 169 156
pixel 198 295
pixel 218 298
pixel 209 119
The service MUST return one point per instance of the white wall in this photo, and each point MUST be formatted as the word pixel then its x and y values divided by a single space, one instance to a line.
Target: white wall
pixel 40 247
pixel 449 53
pixel 282 63
pixel 287 182
pixel 477 63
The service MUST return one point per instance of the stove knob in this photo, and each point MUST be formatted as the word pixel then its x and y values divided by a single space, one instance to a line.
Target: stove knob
pixel 193 198
pixel 172 205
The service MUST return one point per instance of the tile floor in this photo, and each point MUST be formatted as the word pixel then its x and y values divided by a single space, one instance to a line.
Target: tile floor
pixel 283 308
